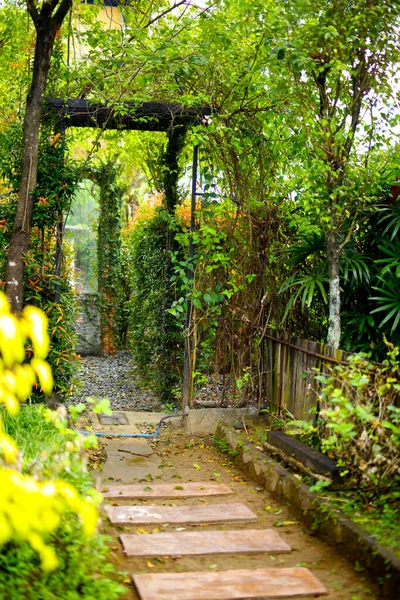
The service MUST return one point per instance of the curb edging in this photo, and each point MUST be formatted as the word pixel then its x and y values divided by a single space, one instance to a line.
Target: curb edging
pixel 328 523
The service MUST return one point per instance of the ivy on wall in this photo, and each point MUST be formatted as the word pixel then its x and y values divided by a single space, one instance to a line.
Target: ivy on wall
pixel 109 254
pixel 154 336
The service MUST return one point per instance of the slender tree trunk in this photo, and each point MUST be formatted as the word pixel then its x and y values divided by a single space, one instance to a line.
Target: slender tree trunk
pixel 46 25
pixel 334 329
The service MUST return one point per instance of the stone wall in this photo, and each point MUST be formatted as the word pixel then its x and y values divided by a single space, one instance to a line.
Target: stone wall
pixel 88 326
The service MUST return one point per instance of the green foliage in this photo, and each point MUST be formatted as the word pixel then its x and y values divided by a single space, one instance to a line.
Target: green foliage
pixel 32 507
pixel 379 518
pixel 109 256
pixel 154 338
pixel 83 570
pixel 57 181
pixel 40 292
pixel 360 421
pixel 370 275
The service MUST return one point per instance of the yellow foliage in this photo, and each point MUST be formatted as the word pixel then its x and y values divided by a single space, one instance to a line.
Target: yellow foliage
pixel 30 509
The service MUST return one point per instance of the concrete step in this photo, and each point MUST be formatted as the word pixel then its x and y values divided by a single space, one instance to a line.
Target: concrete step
pixel 193 543
pixel 229 585
pixel 166 490
pixel 213 513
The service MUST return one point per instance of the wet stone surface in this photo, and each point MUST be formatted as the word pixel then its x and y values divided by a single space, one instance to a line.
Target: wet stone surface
pixel 114 377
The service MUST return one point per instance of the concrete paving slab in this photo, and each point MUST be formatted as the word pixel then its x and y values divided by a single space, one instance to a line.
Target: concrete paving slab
pixel 135 446
pixel 195 543
pixel 226 585
pixel 126 467
pixel 204 421
pixel 117 418
pixel 208 513
pixel 190 489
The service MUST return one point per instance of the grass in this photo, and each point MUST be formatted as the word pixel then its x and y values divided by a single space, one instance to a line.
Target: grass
pixel 31 431
pixel 84 571
pixel 380 517
pixel 42 447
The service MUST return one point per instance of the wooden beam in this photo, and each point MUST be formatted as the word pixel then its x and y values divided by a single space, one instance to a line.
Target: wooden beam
pixel 146 116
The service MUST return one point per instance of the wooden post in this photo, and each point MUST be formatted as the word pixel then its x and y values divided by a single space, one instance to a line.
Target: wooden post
pixel 188 367
pixel 60 229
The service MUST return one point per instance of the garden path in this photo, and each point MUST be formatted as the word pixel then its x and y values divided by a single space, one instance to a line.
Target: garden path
pixel 175 550
pixel 115 378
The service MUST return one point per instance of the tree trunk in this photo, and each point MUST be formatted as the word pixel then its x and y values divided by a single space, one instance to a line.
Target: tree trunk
pixel 46 26
pixel 334 329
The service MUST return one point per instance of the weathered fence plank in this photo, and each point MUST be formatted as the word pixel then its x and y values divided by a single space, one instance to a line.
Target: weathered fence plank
pixel 290 365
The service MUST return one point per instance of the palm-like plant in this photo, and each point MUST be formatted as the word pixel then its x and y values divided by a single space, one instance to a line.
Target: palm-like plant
pixel 388 300
pixel 391 219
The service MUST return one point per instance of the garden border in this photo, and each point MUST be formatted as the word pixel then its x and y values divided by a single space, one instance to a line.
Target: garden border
pixel 328 523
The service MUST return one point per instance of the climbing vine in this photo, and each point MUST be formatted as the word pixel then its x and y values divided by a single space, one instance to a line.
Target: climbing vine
pixel 154 336
pixel 108 255
pixel 57 181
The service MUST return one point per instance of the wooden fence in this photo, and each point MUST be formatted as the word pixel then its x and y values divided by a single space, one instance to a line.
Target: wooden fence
pixel 288 366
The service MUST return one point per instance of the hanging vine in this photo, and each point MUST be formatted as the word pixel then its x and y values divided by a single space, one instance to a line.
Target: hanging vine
pixel 108 255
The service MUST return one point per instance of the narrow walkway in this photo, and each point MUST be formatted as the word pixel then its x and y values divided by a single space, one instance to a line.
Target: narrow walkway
pixel 188 526
pixel 115 378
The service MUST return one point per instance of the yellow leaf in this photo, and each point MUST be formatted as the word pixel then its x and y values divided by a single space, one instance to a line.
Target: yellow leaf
pixel 43 371
pixel 37 323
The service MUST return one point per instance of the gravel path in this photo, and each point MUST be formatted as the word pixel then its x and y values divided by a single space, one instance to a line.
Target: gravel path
pixel 113 377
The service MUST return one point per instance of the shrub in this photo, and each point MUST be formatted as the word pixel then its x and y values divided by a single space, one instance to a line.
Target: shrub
pixel 360 421
pixel 154 338
pixel 48 515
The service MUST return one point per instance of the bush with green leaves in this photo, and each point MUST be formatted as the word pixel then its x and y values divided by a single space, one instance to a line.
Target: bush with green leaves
pixel 56 185
pixel 359 420
pixel 83 570
pixel 369 277
pixel 154 338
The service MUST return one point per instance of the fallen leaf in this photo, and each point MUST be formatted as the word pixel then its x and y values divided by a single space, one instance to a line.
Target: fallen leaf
pixel 197 467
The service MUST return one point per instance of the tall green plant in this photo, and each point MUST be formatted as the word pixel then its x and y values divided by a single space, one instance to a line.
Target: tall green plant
pixel 153 337
pixel 109 255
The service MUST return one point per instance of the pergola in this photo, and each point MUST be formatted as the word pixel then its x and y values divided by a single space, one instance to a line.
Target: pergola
pixel 127 116
pixel 131 116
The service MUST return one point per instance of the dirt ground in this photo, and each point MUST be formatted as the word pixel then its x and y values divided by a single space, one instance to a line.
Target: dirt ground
pixel 182 459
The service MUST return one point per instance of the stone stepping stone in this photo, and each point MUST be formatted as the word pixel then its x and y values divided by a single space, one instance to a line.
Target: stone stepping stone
pixel 193 543
pixel 229 585
pixel 213 513
pixel 117 418
pixel 166 490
